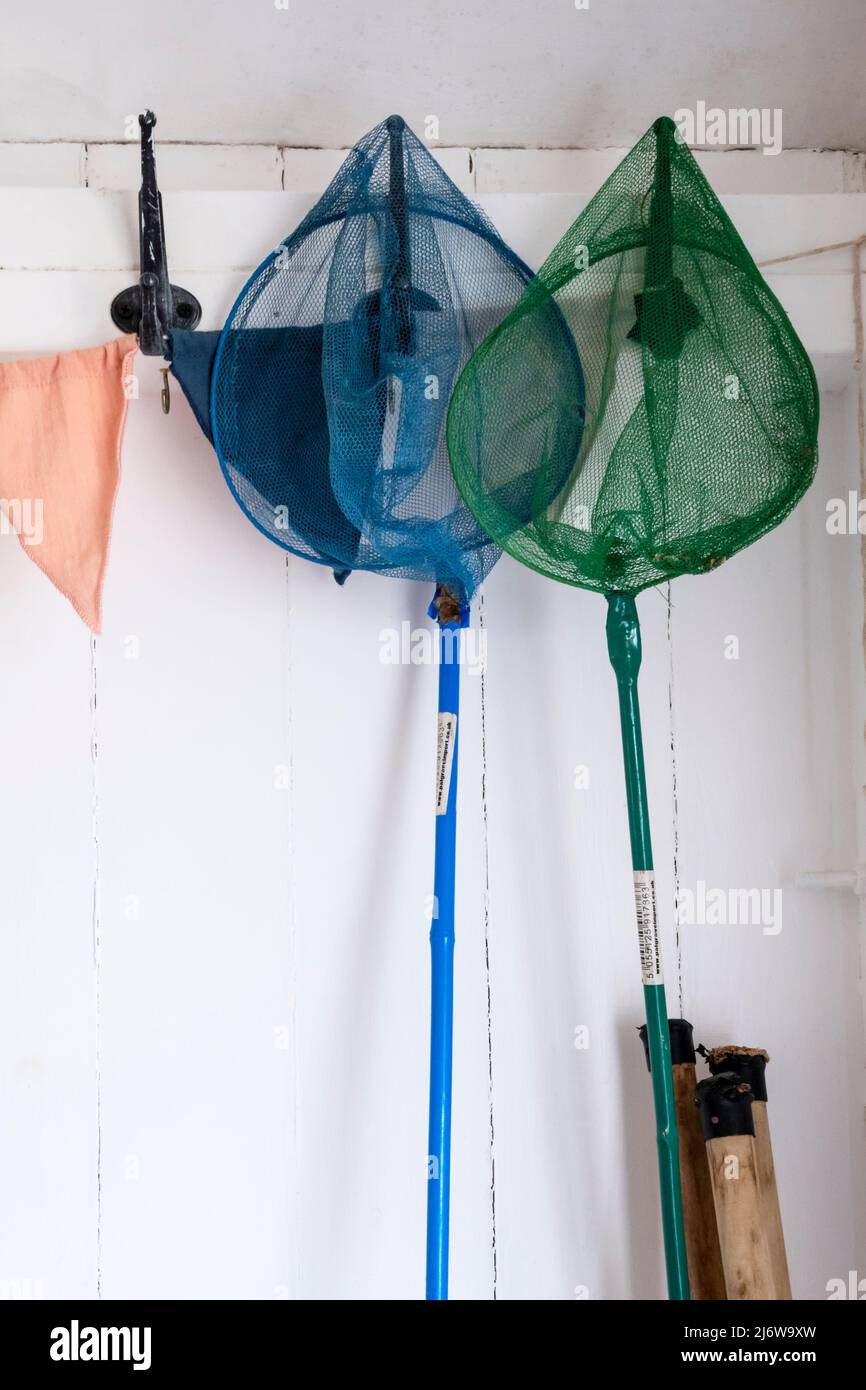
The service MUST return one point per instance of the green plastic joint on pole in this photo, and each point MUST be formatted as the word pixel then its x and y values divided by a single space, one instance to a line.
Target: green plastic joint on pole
pixel 624 649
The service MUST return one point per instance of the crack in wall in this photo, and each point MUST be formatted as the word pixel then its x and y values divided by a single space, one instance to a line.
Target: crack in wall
pixel 97 956
pixel 65 140
pixel 485 841
pixel 288 705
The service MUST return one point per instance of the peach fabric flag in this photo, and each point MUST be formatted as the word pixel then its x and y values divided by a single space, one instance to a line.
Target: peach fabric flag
pixel 61 424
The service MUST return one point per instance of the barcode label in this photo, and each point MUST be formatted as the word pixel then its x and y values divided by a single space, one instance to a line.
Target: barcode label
pixel 647 926
pixel 445 736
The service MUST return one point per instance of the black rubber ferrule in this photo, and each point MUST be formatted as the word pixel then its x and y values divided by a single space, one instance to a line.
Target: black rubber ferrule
pixel 682 1042
pixel 748 1066
pixel 725 1105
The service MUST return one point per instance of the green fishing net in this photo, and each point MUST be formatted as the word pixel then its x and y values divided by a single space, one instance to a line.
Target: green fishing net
pixel 685 425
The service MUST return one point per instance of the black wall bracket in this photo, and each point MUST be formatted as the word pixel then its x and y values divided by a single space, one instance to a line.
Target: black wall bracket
pixel 154 306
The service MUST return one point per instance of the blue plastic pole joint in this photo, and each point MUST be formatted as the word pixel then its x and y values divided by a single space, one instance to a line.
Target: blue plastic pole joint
pixel 624 649
pixel 442 956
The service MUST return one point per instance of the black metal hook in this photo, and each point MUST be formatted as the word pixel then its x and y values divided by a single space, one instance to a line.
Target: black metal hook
pixel 154 306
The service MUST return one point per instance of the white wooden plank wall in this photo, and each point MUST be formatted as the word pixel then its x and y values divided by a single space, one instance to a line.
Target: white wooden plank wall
pixel 216 854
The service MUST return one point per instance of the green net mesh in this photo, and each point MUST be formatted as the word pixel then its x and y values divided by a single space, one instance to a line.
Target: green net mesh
pixel 690 430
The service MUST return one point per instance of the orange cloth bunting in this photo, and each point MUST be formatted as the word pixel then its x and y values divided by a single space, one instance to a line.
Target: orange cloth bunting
pixel 61 424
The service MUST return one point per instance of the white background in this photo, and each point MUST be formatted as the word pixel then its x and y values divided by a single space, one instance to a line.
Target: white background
pixel 216 854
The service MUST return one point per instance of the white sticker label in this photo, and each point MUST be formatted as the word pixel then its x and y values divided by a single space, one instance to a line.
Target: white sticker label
pixel 647 926
pixel 445 736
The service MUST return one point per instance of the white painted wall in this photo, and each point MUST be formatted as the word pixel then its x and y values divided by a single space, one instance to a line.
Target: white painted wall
pixel 589 73
pixel 213 991
pixel 116 165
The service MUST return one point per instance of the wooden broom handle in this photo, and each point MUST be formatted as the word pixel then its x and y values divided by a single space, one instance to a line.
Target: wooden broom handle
pixel 733 1167
pixel 725 1104
pixel 770 1201
pixel 750 1065
pixel 706 1273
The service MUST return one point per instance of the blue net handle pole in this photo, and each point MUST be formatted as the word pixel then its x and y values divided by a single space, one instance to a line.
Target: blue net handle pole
pixel 400 280
pixel 442 962
pixel 624 649
pixel 397 197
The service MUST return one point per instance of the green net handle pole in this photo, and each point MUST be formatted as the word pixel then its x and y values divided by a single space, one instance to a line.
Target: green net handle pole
pixel 624 649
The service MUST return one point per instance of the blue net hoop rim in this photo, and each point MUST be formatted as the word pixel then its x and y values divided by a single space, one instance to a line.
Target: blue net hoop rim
pixel 299 234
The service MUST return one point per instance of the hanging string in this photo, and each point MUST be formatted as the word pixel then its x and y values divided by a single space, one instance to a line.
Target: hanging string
pixel 813 251
pixel 856 245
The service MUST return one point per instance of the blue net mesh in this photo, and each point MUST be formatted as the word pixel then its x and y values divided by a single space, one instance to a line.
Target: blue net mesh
pixel 333 373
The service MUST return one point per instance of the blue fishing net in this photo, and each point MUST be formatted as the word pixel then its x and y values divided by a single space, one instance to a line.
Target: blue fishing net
pixel 297 492
pixel 333 373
